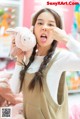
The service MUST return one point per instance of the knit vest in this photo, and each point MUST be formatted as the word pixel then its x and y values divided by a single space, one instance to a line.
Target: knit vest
pixel 38 104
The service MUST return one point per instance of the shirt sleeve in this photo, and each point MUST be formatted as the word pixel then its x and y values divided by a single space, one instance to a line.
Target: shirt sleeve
pixel 71 58
pixel 15 80
pixel 73 46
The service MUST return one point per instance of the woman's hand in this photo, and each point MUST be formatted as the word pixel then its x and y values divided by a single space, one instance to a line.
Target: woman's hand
pixel 59 35
pixel 16 52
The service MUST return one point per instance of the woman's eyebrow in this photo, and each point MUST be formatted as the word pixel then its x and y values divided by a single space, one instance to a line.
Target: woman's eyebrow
pixel 52 21
pixel 49 20
pixel 40 19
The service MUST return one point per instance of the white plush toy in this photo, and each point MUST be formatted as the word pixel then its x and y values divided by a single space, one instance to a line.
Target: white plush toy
pixel 24 38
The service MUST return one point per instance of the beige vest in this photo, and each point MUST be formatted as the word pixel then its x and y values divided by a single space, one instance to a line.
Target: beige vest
pixel 39 104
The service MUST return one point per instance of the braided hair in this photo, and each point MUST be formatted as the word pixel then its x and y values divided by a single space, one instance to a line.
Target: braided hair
pixel 23 71
pixel 39 74
pixel 38 77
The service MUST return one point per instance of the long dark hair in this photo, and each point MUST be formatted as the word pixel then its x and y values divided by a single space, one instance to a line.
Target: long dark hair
pixel 38 77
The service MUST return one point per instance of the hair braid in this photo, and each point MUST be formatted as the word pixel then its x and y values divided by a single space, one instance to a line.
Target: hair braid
pixel 23 71
pixel 39 75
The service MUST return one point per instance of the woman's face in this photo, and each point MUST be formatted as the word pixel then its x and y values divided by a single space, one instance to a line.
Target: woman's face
pixel 44 23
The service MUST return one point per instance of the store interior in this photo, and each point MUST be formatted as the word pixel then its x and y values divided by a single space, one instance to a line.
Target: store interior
pixel 18 13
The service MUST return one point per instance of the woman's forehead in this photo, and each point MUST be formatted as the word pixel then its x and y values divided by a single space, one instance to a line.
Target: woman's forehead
pixel 46 16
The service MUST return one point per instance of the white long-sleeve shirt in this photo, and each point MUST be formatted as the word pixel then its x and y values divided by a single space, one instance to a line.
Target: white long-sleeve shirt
pixel 67 60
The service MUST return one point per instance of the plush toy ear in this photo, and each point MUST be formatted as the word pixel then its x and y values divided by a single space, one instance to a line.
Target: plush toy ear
pixel 32 29
pixel 11 31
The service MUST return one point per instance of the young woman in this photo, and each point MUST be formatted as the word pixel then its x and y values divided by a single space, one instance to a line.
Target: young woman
pixel 43 77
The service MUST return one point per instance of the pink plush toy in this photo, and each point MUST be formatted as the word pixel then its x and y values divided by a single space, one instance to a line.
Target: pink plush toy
pixel 24 38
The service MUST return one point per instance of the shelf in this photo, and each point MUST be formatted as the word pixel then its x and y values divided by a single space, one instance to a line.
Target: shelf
pixel 73 99
pixel 5 43
pixel 14 9
pixel 74 91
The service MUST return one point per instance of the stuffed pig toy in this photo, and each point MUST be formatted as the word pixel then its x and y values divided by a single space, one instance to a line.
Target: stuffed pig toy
pixel 24 38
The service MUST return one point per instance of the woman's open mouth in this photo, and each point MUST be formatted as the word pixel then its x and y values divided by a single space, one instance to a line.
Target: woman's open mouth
pixel 43 38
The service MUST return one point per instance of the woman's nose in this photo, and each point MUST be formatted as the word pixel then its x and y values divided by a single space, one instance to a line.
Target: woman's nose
pixel 44 27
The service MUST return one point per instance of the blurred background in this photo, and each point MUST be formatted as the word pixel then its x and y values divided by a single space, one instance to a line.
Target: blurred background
pixel 18 13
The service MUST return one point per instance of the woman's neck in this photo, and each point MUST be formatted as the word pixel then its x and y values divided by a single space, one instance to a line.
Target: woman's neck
pixel 42 51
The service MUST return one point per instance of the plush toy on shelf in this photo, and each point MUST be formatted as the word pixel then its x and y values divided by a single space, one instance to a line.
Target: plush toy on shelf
pixel 24 38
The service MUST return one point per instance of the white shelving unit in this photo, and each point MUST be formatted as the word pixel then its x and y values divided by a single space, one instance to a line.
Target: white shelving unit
pixel 13 9
pixel 17 6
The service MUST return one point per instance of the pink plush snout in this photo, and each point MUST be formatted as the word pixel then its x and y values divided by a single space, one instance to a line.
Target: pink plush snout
pixel 24 38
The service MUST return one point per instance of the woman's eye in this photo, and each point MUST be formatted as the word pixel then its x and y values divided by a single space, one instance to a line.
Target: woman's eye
pixel 50 24
pixel 40 23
